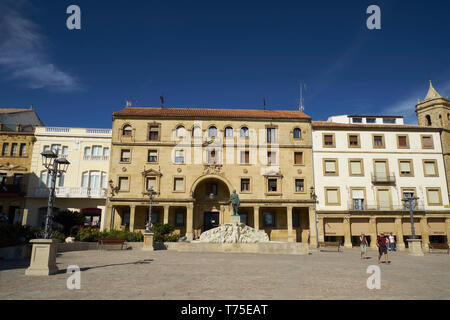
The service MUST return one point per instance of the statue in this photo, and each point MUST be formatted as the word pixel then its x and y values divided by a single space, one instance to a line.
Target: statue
pixel 235 203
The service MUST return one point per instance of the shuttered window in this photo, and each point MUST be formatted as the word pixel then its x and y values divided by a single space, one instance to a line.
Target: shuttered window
pixel 178 184
pixel 430 168
pixel 151 183
pixel 405 167
pixel 402 141
pixel 153 133
pixel 125 155
pixel 298 157
pixel 383 199
pixel 332 196
pixel 328 139
pixel 434 196
pixel 245 157
pixel 355 168
pixel 123 183
pixel 427 142
pixel 330 166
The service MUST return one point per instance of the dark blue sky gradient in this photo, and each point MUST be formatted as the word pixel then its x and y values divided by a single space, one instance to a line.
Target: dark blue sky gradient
pixel 234 53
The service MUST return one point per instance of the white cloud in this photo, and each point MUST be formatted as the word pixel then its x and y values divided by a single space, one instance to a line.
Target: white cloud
pixel 24 58
pixel 407 106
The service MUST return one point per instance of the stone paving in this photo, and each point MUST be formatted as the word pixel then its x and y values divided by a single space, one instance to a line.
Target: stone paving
pixel 135 274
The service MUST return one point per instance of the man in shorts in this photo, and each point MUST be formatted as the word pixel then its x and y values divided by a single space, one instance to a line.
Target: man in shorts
pixel 382 241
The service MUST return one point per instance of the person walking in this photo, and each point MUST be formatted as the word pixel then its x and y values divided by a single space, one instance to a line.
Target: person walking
pixel 363 245
pixel 382 242
pixel 392 242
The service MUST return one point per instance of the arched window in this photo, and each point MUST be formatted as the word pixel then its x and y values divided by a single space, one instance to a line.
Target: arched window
pixel 297 133
pixel 197 131
pixel 244 132
pixel 180 132
pixel 212 131
pixel 126 131
pixel 428 119
pixel 441 123
pixel 228 132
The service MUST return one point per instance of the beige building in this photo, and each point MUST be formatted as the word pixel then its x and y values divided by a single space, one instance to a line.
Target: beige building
pixel 195 158
pixel 434 111
pixel 365 165
pixel 83 186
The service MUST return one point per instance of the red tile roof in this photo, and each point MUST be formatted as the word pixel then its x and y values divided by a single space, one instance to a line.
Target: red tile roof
pixel 210 113
pixel 335 125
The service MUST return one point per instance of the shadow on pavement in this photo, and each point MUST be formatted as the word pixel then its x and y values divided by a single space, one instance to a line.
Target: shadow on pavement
pixel 145 261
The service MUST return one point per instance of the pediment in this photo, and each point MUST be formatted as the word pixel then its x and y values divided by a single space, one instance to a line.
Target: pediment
pixel 151 172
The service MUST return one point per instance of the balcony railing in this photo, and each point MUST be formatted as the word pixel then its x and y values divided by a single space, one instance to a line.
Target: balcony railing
pixel 72 192
pixel 383 177
pixel 374 206
pixel 96 158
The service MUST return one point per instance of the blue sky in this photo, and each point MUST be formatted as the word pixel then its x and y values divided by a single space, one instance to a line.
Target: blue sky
pixel 220 54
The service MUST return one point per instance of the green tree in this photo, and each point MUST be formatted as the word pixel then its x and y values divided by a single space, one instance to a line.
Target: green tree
pixel 69 219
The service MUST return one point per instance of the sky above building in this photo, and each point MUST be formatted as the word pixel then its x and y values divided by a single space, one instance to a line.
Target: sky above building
pixel 221 54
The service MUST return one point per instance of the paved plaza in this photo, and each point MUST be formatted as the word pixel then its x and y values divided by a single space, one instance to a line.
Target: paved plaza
pixel 135 274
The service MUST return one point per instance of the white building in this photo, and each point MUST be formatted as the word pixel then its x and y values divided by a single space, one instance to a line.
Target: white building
pixel 365 165
pixel 83 186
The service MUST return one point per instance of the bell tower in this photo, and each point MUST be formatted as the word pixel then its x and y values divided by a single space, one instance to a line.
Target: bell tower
pixel 434 111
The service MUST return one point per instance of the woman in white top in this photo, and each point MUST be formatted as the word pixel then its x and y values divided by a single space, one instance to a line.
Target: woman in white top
pixel 392 242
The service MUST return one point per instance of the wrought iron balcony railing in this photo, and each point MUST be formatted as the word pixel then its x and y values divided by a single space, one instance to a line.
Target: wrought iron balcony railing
pixel 72 192
pixel 383 177
pixel 374 206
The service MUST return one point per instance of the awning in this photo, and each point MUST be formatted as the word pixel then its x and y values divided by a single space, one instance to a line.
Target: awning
pixel 91 212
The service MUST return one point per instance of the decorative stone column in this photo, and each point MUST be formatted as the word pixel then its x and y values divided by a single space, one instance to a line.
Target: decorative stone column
pixel 321 230
pixel 425 233
pixel 256 217
pixel 373 232
pixel 312 228
pixel 189 222
pixel 347 233
pixel 166 215
pixel 447 230
pixel 291 235
pixel 400 244
pixel 132 216
pixel 43 257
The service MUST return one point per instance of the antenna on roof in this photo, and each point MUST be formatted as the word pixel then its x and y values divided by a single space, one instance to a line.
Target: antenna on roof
pixel 162 101
pixel 301 105
pixel 264 102
pixel 128 103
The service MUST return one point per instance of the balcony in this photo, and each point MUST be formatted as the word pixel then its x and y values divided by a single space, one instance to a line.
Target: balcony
pixel 383 177
pixel 72 192
pixel 11 190
pixel 374 206
pixel 96 158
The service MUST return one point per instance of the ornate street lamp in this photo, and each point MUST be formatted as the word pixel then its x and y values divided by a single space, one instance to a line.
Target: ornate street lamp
pixel 56 167
pixel 150 193
pixel 316 220
pixel 410 203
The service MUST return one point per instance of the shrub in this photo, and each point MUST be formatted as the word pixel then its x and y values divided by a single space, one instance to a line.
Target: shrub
pixel 15 234
pixel 69 219
pixel 92 235
pixel 164 233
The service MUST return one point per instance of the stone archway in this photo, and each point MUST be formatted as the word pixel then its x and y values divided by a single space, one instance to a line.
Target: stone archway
pixel 211 195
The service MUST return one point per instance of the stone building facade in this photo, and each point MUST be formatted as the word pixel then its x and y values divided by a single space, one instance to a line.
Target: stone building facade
pixel 195 158
pixel 365 165
pixel 434 111
pixel 16 140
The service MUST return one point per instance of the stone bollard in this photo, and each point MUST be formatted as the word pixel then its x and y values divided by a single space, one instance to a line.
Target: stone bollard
pixel 148 241
pixel 415 247
pixel 43 257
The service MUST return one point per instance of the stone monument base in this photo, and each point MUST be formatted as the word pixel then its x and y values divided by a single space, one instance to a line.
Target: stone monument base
pixel 234 233
pixel 43 257
pixel 148 241
pixel 415 247
pixel 235 219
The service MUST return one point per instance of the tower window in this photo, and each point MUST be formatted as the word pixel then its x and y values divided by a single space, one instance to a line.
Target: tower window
pixel 428 120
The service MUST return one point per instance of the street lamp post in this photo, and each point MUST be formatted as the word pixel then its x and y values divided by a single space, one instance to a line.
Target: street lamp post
pixel 314 197
pixel 410 204
pixel 149 226
pixel 56 167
